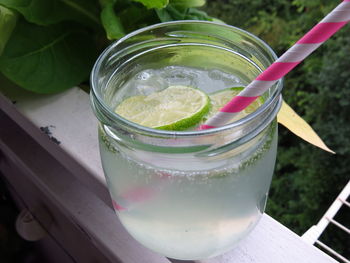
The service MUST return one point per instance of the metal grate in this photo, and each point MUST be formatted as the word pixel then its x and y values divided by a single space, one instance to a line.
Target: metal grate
pixel 312 235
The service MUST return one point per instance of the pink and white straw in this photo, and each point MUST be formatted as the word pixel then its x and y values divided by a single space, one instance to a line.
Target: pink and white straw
pixel 297 53
pixel 335 20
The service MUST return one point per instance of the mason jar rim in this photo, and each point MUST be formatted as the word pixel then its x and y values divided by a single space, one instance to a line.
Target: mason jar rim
pixel 273 99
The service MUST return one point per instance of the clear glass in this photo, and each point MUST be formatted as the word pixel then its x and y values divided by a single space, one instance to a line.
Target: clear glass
pixel 189 194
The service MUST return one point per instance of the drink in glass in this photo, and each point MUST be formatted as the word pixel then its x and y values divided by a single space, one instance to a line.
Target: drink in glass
pixel 186 194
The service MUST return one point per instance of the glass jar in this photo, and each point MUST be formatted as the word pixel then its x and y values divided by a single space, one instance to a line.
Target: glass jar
pixel 186 194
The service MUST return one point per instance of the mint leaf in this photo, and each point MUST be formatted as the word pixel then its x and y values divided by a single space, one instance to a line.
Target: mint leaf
pixel 47 12
pixel 47 59
pixel 7 23
pixel 110 21
pixel 153 3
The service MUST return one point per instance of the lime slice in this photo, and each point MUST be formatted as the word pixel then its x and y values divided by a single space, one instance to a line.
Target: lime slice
pixel 174 108
pixel 222 97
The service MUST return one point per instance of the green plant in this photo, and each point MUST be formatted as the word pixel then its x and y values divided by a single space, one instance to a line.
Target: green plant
pixel 47 46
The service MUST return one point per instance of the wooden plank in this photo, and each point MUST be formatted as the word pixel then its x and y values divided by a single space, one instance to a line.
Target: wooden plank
pixel 96 221
pixel 70 121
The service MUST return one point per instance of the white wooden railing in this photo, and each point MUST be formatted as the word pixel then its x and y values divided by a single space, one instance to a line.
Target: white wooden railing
pixel 51 142
pixel 314 233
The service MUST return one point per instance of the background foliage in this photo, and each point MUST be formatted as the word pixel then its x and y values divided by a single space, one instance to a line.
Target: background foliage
pixel 306 179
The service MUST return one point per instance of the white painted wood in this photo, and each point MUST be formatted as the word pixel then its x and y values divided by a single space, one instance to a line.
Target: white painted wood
pixel 313 234
pixel 69 117
pixel 316 231
pixel 75 127
pixel 82 223
pixel 271 242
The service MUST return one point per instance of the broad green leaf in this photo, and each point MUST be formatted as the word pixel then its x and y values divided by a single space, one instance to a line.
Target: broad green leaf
pixel 47 59
pixel 47 12
pixel 153 3
pixel 110 21
pixel 8 20
pixel 187 3
pixel 293 122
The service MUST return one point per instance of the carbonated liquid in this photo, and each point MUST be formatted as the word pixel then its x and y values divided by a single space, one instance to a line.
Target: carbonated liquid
pixel 181 205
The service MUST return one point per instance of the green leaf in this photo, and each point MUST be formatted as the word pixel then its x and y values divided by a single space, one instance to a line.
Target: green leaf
pixel 195 14
pixel 47 12
pixel 163 15
pixel 8 20
pixel 137 16
pixel 187 3
pixel 171 13
pixel 47 59
pixel 153 3
pixel 110 21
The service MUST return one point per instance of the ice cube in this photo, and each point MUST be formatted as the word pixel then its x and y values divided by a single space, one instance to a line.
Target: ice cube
pixel 228 79
pixel 145 83
pixel 175 75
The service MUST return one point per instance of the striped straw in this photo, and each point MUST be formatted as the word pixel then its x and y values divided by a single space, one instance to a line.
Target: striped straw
pixel 335 20
pixel 297 53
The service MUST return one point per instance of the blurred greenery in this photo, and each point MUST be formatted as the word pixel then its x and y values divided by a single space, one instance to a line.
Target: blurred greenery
pixel 306 180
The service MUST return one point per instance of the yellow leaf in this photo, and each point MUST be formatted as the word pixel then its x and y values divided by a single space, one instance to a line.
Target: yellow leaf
pixel 293 122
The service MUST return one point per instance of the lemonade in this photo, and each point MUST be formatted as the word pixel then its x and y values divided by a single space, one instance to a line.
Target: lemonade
pixel 189 207
pixel 192 213
pixel 182 192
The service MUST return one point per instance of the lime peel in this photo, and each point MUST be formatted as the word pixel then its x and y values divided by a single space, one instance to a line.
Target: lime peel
pixel 174 108
pixel 222 97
